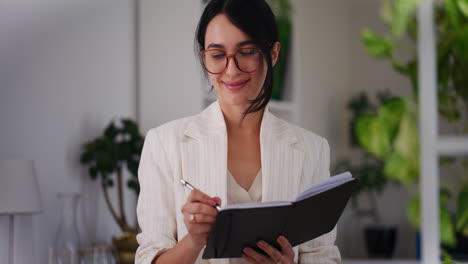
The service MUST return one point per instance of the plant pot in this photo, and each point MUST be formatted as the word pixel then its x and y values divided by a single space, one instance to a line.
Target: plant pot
pixel 380 241
pixel 126 246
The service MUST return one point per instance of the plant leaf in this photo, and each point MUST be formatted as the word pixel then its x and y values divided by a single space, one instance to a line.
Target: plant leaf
pixel 404 10
pixel 451 11
pixel 462 209
pixel 376 46
pixel 386 12
pixel 413 213
pixel 372 135
pixel 390 115
pixel 447 230
pixel 407 140
pixel 398 168
pixel 463 6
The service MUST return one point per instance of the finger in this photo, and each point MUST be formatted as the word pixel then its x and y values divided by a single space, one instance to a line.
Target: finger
pixel 271 251
pixel 199 208
pixel 218 200
pixel 286 247
pixel 200 218
pixel 257 257
pixel 248 259
pixel 198 196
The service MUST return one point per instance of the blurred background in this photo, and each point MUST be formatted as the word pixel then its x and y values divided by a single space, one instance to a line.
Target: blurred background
pixel 68 69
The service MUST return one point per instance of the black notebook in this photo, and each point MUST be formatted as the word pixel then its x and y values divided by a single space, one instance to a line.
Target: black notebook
pixel 314 212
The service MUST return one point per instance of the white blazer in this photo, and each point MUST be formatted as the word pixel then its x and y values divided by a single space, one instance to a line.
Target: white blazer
pixel 195 149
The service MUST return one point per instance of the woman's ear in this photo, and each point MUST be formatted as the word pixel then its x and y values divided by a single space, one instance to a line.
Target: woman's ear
pixel 275 52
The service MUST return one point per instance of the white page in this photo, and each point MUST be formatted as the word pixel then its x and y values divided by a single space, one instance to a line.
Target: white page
pixel 325 185
pixel 321 187
pixel 255 205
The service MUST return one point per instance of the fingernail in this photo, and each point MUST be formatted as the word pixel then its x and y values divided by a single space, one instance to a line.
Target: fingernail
pixel 261 244
pixel 211 202
pixel 247 250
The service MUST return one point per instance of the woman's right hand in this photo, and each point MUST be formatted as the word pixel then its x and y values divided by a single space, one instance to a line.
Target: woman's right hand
pixel 199 215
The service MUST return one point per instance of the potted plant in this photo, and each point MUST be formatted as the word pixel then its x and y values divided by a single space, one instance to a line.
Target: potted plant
pixel 106 158
pixel 380 239
pixel 391 133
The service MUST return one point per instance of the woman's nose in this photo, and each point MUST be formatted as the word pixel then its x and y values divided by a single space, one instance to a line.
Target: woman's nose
pixel 232 68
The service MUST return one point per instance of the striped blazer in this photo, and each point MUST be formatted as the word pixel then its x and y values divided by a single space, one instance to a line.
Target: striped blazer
pixel 195 149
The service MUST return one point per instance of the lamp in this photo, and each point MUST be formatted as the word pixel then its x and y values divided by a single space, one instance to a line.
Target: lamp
pixel 19 193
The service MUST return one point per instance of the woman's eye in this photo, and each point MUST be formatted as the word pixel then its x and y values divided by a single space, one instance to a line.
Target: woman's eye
pixel 249 52
pixel 217 56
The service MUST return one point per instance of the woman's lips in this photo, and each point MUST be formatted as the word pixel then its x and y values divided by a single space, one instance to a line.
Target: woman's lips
pixel 234 86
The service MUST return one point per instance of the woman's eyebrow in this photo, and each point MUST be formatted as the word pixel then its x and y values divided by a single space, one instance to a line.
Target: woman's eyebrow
pixel 221 46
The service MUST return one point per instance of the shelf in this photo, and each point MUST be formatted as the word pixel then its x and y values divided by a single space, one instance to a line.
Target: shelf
pixel 452 145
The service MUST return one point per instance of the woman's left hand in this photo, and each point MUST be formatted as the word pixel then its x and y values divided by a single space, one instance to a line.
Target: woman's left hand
pixel 285 256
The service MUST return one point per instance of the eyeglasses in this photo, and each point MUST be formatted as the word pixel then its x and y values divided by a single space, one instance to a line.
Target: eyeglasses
pixel 216 61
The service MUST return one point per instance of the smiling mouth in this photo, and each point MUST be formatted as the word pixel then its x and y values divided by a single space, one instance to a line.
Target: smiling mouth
pixel 234 86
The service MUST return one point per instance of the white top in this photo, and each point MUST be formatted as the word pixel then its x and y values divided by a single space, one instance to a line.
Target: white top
pixel 237 195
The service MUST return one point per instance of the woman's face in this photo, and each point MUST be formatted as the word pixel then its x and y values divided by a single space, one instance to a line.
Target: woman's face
pixel 235 87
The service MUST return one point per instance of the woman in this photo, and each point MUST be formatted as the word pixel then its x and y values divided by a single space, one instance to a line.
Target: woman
pixel 235 151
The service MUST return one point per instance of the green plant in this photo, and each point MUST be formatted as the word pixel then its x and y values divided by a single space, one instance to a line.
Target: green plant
pixel 282 10
pixel 369 170
pixel 391 134
pixel 106 157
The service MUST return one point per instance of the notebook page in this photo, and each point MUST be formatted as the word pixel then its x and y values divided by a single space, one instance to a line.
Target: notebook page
pixel 325 185
pixel 255 205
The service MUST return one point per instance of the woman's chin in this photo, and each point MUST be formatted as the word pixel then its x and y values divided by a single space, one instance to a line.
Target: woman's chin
pixel 235 99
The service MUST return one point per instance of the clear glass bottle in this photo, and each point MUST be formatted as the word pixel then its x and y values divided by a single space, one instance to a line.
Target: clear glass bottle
pixel 67 240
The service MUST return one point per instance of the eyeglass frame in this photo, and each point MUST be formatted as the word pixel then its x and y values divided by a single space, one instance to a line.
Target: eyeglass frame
pixel 228 57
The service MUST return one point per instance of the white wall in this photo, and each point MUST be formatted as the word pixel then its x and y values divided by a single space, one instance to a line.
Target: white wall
pixel 171 81
pixel 65 72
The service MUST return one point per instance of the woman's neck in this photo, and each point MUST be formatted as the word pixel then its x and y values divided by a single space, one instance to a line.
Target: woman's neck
pixel 237 125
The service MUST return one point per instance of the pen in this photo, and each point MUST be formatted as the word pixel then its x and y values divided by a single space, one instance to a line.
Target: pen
pixel 189 186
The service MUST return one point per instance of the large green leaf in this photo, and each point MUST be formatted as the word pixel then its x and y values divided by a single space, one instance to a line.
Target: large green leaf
pixel 372 135
pixel 447 230
pixel 390 115
pixel 413 211
pixel 399 168
pixel 404 10
pixel 376 46
pixel 463 6
pixel 407 140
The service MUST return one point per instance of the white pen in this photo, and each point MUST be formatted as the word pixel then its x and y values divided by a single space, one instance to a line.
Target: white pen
pixel 189 186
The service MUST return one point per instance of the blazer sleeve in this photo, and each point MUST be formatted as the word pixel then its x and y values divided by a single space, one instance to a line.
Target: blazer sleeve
pixel 321 250
pixel 155 208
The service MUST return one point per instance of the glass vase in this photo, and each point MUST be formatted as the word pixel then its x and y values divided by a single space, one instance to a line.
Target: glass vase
pixel 67 240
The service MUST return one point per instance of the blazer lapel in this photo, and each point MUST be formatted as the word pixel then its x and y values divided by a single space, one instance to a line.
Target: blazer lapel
pixel 204 152
pixel 282 159
pixel 204 155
